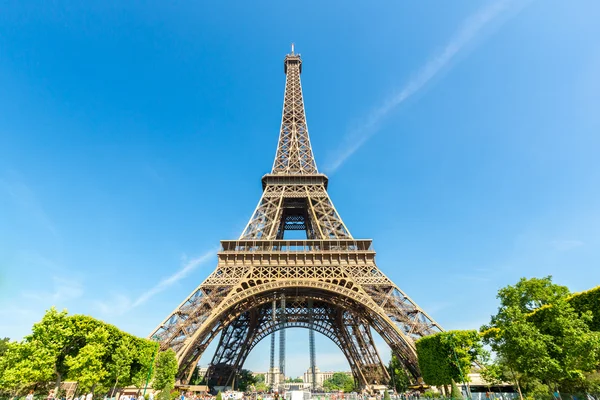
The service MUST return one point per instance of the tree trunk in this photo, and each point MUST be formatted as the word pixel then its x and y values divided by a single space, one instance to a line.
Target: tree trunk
pixel 114 387
pixel 517 382
pixel 58 381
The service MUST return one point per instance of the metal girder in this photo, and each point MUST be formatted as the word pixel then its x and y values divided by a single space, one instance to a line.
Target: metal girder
pixel 350 295
pixel 294 152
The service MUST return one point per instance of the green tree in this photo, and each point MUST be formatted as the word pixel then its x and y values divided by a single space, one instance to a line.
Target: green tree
pixel 25 365
pixel 120 368
pixel 144 356
pixel 261 387
pixel 529 295
pixel 244 380
pixel 541 341
pixel 398 374
pixel 16 373
pixel 455 393
pixel 77 346
pixel 4 345
pixel 588 301
pixel 87 367
pixel 339 381
pixel 492 372
pixel 386 395
pixel 50 342
pixel 447 357
pixel 197 378
pixel 573 347
pixel 165 371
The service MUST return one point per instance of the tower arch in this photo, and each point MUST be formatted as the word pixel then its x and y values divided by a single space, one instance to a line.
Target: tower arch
pixel 330 267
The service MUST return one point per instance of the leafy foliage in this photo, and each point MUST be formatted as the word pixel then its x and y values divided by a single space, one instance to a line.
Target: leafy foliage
pixel 245 379
pixel 398 373
pixel 120 368
pixel 196 378
pixel 4 345
pixel 165 371
pixel 455 392
pixel 542 342
pixel 447 356
pixel 339 381
pixel 588 301
pixel 76 347
pixel 86 367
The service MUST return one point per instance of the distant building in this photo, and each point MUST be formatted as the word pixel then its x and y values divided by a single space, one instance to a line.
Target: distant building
pixel 274 377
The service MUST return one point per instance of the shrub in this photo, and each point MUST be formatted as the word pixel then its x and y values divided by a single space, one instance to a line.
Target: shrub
pixel 456 393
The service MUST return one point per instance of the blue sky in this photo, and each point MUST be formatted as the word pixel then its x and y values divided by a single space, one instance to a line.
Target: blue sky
pixel 461 136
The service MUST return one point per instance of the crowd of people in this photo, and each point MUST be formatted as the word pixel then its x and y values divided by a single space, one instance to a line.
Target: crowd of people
pixel 249 396
pixel 90 396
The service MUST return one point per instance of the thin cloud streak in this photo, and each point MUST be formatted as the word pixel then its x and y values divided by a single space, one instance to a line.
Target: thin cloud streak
pixel 176 277
pixel 465 34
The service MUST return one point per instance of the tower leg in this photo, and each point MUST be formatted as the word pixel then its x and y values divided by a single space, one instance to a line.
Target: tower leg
pixel 311 343
pixel 272 364
pixel 282 345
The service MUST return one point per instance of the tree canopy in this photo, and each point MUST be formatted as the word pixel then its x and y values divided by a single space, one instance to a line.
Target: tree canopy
pixel 4 345
pixel 165 371
pixel 541 341
pixel 245 379
pixel 78 348
pixel 447 357
pixel 339 381
pixel 398 374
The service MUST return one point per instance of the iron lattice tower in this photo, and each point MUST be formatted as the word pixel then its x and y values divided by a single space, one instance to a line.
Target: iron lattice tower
pixel 328 282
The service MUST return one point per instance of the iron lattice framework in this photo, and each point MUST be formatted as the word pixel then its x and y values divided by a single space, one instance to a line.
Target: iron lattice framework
pixel 328 282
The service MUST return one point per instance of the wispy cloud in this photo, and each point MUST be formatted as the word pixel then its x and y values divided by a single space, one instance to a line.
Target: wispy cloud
pixel 467 32
pixel 188 267
pixel 120 304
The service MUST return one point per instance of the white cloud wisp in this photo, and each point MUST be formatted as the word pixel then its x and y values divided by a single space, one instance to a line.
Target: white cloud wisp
pixel 467 32
pixel 176 277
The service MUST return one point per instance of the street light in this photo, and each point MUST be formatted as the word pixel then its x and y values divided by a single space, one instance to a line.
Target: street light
pixel 151 365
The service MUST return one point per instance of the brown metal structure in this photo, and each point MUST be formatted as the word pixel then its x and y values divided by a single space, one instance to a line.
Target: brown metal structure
pixel 328 282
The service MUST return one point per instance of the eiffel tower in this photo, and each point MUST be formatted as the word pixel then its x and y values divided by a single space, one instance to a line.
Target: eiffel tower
pixel 328 283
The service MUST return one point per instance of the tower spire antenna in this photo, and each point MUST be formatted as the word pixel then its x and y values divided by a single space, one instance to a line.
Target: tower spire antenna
pixel 294 153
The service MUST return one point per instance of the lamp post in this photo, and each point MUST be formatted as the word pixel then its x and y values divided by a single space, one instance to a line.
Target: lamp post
pixel 151 365
pixel 462 378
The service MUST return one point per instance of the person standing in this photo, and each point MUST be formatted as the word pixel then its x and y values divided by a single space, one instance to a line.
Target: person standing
pixel 30 395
